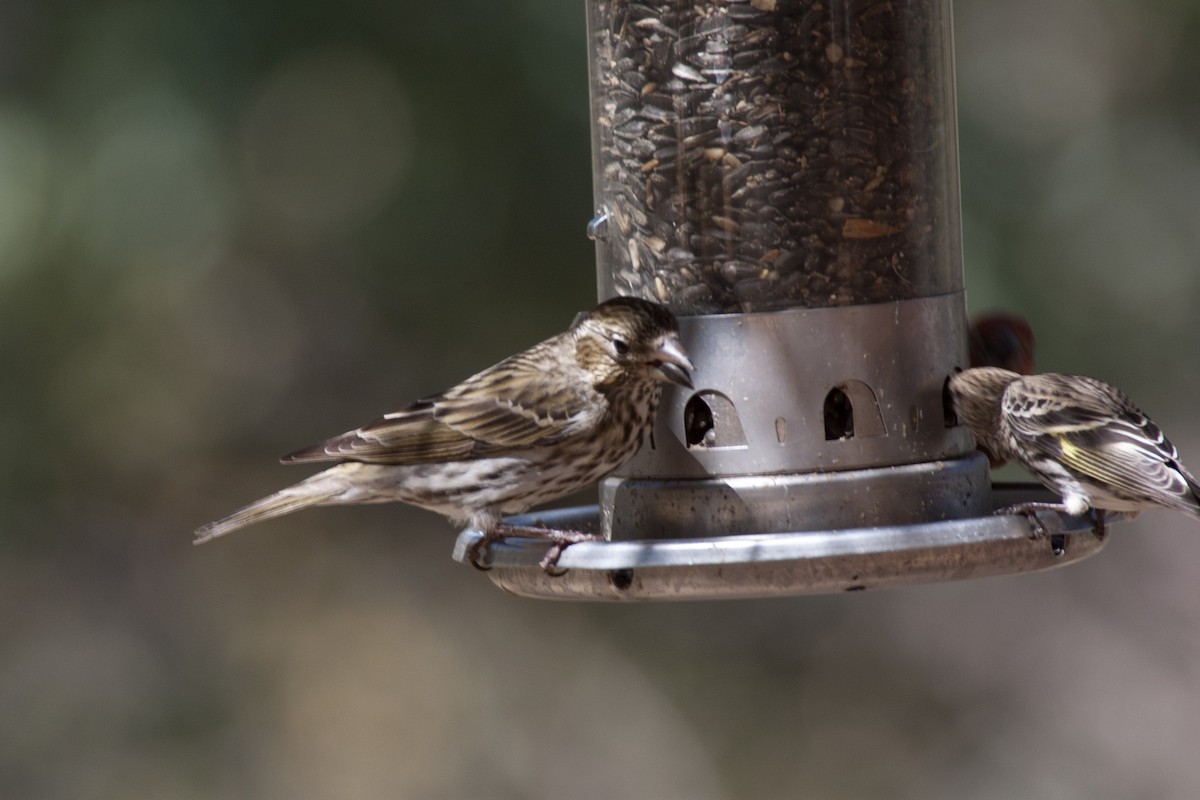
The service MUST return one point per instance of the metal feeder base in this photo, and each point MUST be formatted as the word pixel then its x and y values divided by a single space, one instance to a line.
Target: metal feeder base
pixel 782 564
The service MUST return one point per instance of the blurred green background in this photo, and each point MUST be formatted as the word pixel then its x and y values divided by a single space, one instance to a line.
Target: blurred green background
pixel 230 229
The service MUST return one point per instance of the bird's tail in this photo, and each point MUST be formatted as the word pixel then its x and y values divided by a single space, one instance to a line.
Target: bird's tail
pixel 314 491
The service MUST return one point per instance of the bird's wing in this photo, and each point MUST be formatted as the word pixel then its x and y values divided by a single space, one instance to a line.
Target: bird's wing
pixel 411 435
pixel 523 401
pixel 1096 432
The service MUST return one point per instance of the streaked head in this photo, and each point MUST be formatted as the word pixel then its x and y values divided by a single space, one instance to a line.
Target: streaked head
pixel 977 393
pixel 629 338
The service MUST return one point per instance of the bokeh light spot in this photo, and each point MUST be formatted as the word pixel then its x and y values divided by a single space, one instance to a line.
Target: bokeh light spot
pixel 151 192
pixel 24 187
pixel 325 142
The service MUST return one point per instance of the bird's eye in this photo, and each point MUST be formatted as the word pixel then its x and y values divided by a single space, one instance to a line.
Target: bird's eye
pixel 620 345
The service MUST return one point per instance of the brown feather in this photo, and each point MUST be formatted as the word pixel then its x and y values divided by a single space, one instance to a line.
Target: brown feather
pixel 515 404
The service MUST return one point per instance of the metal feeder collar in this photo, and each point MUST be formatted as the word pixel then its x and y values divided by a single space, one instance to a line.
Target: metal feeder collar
pixel 784 175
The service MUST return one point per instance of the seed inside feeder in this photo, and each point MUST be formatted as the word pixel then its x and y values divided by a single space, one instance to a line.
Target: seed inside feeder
pixel 813 131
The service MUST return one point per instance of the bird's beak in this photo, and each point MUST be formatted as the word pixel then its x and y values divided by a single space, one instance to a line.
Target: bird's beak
pixel 671 363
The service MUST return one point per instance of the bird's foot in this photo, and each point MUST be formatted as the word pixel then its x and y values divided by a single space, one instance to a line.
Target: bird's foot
pixel 480 551
pixel 560 540
pixel 1029 510
pixel 1100 527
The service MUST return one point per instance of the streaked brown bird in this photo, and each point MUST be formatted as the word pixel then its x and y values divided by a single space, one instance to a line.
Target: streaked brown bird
pixel 537 426
pixel 998 339
pixel 1079 436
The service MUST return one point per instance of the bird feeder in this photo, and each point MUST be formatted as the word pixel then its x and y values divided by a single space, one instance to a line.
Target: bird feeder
pixel 783 174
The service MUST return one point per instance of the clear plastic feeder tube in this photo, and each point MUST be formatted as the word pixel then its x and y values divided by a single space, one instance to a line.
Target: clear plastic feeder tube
pixel 755 155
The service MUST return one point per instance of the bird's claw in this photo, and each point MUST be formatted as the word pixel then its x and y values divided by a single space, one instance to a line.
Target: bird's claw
pixel 549 562
pixel 562 540
pixel 1036 529
pixel 559 541
pixel 477 552
pixel 1029 510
